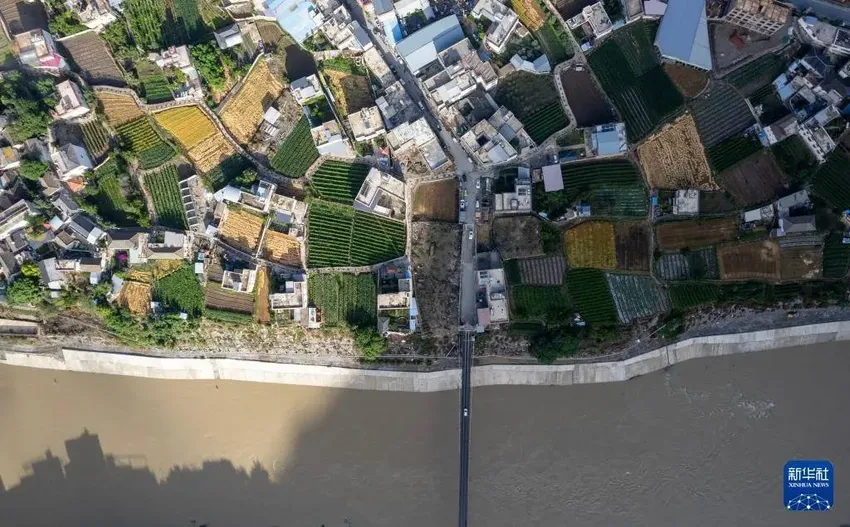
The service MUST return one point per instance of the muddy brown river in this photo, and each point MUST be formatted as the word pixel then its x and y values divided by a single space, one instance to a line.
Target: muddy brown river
pixel 703 443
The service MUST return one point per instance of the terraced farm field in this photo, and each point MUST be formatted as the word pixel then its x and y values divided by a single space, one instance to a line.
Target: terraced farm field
pixel 755 180
pixel 637 296
pixel 619 200
pixel 836 257
pixel 579 178
pixel 591 296
pixel 632 245
pixel 344 298
pixel 244 110
pixel 297 152
pixel 90 57
pixel 188 124
pixel 242 229
pixel 693 265
pixel 831 181
pixel 212 153
pixel 338 181
pixel 693 294
pixel 545 270
pixel 674 158
pixel 692 234
pixel 732 150
pixel 118 109
pixel 220 299
pixel 155 88
pixel 281 248
pixel 591 244
pixel 749 261
pixel 628 69
pixel 801 263
pixel 720 113
pixel 145 143
pixel 95 138
pixel 545 122
pixel 165 193
pixel 135 297
pixel 339 236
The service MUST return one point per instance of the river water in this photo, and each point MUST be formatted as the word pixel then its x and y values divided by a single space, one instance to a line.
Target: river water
pixel 703 443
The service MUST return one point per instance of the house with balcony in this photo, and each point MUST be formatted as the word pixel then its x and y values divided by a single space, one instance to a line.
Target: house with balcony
pixel 71 104
pixel 37 49
pixel 257 198
pixel 503 23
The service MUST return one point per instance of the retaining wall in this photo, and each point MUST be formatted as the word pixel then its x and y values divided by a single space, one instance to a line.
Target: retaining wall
pixel 493 375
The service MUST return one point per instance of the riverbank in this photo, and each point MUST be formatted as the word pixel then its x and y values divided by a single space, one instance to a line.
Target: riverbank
pixel 422 382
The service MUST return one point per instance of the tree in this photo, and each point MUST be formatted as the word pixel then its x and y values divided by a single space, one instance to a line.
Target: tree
pixel 119 40
pixel 552 345
pixel 24 290
pixel 30 270
pixel 27 102
pixel 32 170
pixel 248 177
pixel 369 343
pixel 208 61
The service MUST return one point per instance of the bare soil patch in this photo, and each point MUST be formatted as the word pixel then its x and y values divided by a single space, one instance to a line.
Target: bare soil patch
pixel 747 261
pixel 632 242
pixel 436 200
pixel 435 261
pixel 353 92
pixel 676 235
pixel 674 158
pixel 517 236
pixel 690 81
pixel 754 180
pixel 801 263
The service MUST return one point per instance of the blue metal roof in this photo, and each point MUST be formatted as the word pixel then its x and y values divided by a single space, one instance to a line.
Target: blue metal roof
pixel 392 30
pixel 422 47
pixel 683 35
pixel 294 17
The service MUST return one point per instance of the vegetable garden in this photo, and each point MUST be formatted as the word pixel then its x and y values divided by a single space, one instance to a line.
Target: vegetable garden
pixel 831 181
pixel 545 270
pixel 836 256
pixel 339 236
pixel 690 265
pixel 590 295
pixel 297 153
pixel 534 101
pixel 731 151
pixel 637 296
pixel 180 291
pixel 628 69
pixel 591 244
pixel 693 294
pixel 676 235
pixel 95 138
pixel 550 304
pixel 620 200
pixel 582 177
pixel 338 181
pixel 795 158
pixel 344 298
pixel 110 201
pixel 752 76
pixel 155 88
pixel 546 121
pixel 145 143
pixel 165 193
pixel 748 261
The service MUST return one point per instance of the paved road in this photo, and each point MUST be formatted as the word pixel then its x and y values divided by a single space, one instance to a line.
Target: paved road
pixel 824 8
pixel 467 342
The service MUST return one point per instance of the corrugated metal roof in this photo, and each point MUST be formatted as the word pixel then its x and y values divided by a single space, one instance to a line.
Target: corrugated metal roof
pixel 683 35
pixel 422 47
pixel 293 16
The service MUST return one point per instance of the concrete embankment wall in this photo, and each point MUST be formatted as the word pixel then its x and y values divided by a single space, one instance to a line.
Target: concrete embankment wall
pixel 493 375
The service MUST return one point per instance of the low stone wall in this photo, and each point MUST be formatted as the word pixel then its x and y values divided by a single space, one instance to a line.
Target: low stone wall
pixel 494 375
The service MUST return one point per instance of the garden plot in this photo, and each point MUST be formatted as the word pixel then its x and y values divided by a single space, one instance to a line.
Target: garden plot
pixel 627 67
pixel 757 179
pixel 590 296
pixel 242 229
pixel 692 234
pixel 352 92
pixel 281 248
pixel 517 236
pixel 339 236
pixel 344 299
pixel 220 299
pixel 188 124
pixel 831 181
pixel 693 294
pixel 153 84
pixel 579 178
pixel 118 109
pixel 165 193
pixel 731 151
pixel 297 153
pixel 243 112
pixel 91 59
pixel 750 77
pixel 637 296
pixel 675 159
pixel 586 101
pixel 436 200
pixel 690 81
pixel 591 244
pixel 794 158
pixel 534 101
pixel 619 200
pixel 114 195
pixel 749 261
pixel 546 270
pixel 720 113
pixel 145 143
pixel 548 304
pixel 632 243
pixel 135 297
pixel 338 181
pixel 801 263
pixel 692 265
pixel 836 257
pixel 96 139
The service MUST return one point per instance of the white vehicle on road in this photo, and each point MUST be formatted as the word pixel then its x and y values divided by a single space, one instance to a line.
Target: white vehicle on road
pixel 466 412
pixel 471 232
pixel 477 184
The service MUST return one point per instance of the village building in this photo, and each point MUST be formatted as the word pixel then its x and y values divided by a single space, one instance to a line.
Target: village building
pixel 37 49
pixel 228 37
pixel 9 158
pixel 366 124
pixel 14 216
pixel 503 23
pixel 291 303
pixel 683 34
pixel 71 102
pixel 378 67
pixel 608 139
pixel 334 21
pixel 257 198
pixel 418 135
pixel 594 18
pixel 70 160
pixel 329 140
pixel 491 299
pixel 761 16
pixel 382 194
pixel 305 89
pixel 398 312
pixel 518 200
pixel 94 14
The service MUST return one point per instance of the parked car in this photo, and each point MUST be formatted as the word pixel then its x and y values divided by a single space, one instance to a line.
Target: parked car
pixel 471 233
pixel 463 204
pixel 477 184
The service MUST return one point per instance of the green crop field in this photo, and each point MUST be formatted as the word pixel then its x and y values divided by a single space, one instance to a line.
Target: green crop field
pixel 339 236
pixel 526 94
pixel 226 171
pixel 186 12
pixel 731 151
pixel 344 298
pixel 619 200
pixel 338 181
pixel 836 257
pixel 180 291
pixel 110 200
pixel 589 293
pixel 795 158
pixel 95 138
pixel 154 86
pixel 831 181
pixel 297 153
pixel 549 304
pixel 145 143
pixel 749 78
pixel 628 69
pixel 772 108
pixel 580 178
pixel 156 24
pixel 693 294
pixel 546 121
pixel 555 42
pixel 720 113
pixel 637 296
pixel 165 193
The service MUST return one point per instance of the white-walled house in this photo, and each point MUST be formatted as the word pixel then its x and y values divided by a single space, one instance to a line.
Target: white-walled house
pixel 71 101
pixel 71 161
